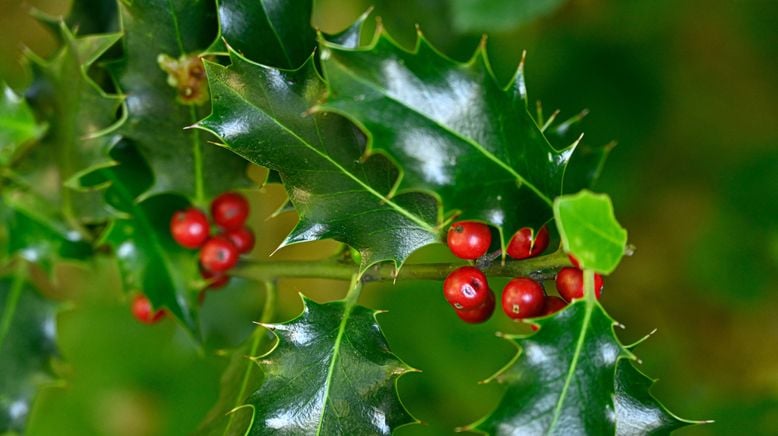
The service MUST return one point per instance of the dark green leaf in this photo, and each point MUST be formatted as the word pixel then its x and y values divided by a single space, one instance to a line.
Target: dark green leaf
pixel 27 344
pixel 331 372
pixel 589 230
pixel 498 15
pixel 149 259
pixel 351 36
pixel 93 16
pixel 171 34
pixel 17 124
pixel 261 114
pixel 451 128
pixel 637 411
pixel 270 32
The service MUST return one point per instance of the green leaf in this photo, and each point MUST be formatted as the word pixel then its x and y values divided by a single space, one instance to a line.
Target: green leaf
pixel 149 259
pixel 589 230
pixel 160 104
pixel 27 345
pixel 283 27
pixel 80 116
pixel 261 113
pixel 17 124
pixel 93 16
pixel 637 411
pixel 331 372
pixel 474 16
pixel 29 230
pixel 451 128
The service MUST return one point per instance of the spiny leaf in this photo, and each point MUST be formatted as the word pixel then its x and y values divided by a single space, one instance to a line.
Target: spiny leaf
pixel 77 111
pixel 260 113
pixel 589 230
pixel 149 259
pixel 331 372
pixel 637 411
pixel 171 34
pixel 27 345
pixel 282 26
pixel 451 128
pixel 17 124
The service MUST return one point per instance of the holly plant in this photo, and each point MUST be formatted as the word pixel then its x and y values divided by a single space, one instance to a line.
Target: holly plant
pixel 131 146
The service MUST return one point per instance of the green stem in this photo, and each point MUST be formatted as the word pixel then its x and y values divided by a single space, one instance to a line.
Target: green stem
pixel 268 312
pixel 539 267
pixel 12 301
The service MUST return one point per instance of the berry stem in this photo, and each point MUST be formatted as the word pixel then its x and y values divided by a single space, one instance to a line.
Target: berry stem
pixel 537 267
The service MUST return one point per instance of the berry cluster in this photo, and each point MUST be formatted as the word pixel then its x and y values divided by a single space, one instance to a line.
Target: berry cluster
pixel 467 289
pixel 190 229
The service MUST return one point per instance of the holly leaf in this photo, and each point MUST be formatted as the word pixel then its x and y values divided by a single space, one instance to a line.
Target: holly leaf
pixel 589 230
pixel 149 259
pixel 284 27
pixel 162 79
pixel 17 124
pixel 637 411
pixel 331 372
pixel 451 128
pixel 93 16
pixel 261 113
pixel 27 345
pixel 80 116
pixel 498 15
pixel 568 378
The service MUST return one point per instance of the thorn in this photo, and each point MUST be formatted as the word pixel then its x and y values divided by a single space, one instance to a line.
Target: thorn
pixel 523 58
pixel 629 250
pixel 620 325
pixel 549 121
pixel 483 41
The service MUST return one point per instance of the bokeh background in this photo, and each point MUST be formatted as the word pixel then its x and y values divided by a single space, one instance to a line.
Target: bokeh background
pixel 689 91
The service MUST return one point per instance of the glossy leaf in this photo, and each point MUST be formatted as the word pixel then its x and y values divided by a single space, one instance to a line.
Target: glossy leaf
pixel 30 230
pixel 149 259
pixel 589 230
pixel 80 116
pixel 331 372
pixel 476 16
pixel 451 128
pixel 27 345
pixel 637 411
pixel 17 123
pixel 261 113
pixel 172 33
pixel 283 27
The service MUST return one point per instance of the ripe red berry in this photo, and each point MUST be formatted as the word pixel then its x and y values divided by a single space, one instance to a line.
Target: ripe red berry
pixel 466 288
pixel 230 210
pixel 553 305
pixel 189 227
pixel 218 254
pixel 216 280
pixel 469 239
pixel 523 298
pixel 143 312
pixel 242 238
pixel 569 283
pixel 480 313
pixel 574 261
pixel 522 245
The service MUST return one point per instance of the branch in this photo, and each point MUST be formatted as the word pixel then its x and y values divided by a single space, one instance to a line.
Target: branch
pixel 539 268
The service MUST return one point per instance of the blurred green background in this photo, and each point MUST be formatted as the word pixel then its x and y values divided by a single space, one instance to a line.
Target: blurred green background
pixel 689 91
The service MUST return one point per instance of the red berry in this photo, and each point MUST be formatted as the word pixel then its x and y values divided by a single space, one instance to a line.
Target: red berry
pixel 553 305
pixel 469 239
pixel 216 280
pixel 143 312
pixel 218 254
pixel 523 298
pixel 522 246
pixel 569 283
pixel 189 227
pixel 466 288
pixel 480 313
pixel 574 261
pixel 242 238
pixel 230 210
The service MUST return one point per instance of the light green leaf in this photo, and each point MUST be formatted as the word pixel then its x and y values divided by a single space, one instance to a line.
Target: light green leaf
pixel 589 230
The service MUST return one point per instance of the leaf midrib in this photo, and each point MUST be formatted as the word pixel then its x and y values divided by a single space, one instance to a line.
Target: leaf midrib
pixel 446 129
pixel 340 168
